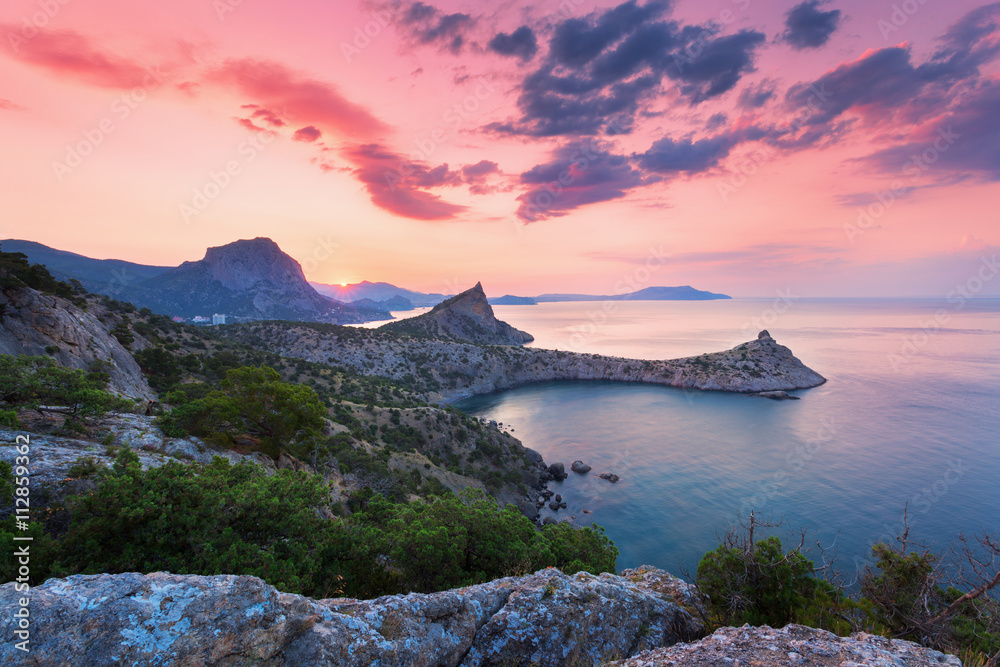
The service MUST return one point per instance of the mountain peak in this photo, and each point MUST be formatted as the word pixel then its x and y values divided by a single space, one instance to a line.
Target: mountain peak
pixel 465 317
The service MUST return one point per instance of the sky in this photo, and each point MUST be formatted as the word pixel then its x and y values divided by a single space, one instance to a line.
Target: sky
pixel 819 149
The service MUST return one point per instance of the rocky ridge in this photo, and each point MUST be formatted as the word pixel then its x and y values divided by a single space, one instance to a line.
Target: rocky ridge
pixel 790 646
pixel 546 618
pixel 466 317
pixel 642 618
pixel 33 323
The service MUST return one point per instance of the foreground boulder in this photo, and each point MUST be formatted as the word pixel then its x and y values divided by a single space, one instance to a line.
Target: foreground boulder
pixel 792 645
pixel 546 618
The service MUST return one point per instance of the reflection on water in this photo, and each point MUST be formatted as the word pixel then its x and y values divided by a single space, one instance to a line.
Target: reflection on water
pixel 908 416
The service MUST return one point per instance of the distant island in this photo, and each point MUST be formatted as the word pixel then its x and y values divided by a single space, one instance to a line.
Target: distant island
pixel 682 293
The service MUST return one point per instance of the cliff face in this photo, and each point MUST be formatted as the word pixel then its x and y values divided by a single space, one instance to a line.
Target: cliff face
pixel 546 619
pixel 467 317
pixel 31 321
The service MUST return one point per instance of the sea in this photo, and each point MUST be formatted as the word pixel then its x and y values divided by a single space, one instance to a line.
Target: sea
pixel 907 426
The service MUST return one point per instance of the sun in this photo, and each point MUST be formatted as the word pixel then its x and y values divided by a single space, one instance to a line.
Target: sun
pixel 343 284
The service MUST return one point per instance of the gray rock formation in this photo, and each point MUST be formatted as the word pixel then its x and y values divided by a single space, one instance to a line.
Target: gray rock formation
pixel 580 467
pixel 791 645
pixel 464 369
pixel 546 619
pixel 31 321
pixel 466 317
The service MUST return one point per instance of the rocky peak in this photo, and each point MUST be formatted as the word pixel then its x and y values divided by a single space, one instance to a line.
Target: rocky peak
pixel 242 264
pixel 466 317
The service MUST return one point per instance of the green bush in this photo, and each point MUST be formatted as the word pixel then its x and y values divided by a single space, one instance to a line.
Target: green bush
pixel 8 419
pixel 226 519
pixel 32 382
pixel 252 402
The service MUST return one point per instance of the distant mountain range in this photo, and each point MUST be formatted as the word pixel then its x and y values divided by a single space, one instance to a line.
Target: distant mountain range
pixel 254 279
pixel 378 292
pixel 251 279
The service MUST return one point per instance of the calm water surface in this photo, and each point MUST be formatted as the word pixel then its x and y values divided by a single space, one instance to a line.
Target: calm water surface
pixel 910 414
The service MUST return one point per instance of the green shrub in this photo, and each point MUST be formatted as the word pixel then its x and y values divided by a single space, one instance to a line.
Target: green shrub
pixel 8 419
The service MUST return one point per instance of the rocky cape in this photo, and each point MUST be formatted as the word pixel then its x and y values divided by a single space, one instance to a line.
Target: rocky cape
pixel 644 617
pixel 466 317
pixel 448 370
pixel 37 324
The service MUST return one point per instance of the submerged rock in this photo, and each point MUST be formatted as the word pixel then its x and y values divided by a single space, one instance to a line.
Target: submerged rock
pixel 610 476
pixel 546 618
pixel 580 467
pixel 776 395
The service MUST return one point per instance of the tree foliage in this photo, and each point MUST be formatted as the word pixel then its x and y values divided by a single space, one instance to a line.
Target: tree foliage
pixel 226 519
pixel 252 402
pixel 34 382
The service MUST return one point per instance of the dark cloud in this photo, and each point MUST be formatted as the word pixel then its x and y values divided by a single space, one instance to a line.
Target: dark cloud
pixel 428 25
pixel 885 86
pixel 809 27
pixel 477 177
pixel 601 69
pixel 716 120
pixel 961 144
pixel 757 95
pixel 521 43
pixel 308 133
pixel 576 176
pixel 670 156
pixel 396 185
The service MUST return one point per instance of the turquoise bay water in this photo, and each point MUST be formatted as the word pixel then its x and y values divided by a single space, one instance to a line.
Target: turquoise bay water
pixel 910 414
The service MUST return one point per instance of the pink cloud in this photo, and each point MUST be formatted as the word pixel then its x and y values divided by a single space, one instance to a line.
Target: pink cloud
pixel 72 55
pixel 275 86
pixel 395 184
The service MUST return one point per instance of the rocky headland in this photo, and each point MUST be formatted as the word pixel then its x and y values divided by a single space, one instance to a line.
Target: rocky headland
pixel 466 317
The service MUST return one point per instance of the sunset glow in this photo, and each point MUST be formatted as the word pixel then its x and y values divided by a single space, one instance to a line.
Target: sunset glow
pixel 845 149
